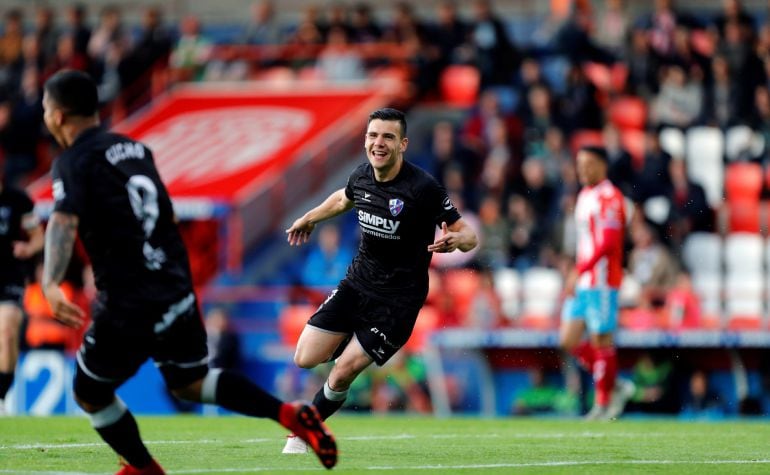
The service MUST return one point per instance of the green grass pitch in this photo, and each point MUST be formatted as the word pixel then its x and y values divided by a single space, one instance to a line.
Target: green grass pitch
pixel 399 445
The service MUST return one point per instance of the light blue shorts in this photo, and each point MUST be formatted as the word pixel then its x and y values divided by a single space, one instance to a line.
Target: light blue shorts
pixel 597 306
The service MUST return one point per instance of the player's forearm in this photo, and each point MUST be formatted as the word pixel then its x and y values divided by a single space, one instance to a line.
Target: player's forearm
pixel 610 236
pixel 59 242
pixel 336 204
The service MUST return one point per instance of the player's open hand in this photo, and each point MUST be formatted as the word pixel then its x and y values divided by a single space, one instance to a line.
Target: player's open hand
pixel 448 241
pixel 299 232
pixel 65 311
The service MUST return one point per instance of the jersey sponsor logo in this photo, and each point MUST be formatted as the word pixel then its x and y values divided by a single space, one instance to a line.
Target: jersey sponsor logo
pixel 447 204
pixel 58 190
pixel 378 224
pixel 124 151
pixel 395 205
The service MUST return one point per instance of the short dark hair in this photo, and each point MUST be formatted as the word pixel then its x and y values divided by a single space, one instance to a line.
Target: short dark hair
pixel 597 151
pixel 390 114
pixel 73 91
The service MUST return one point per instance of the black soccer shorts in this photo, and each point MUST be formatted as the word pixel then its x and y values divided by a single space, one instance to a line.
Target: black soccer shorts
pixel 381 327
pixel 120 340
pixel 12 293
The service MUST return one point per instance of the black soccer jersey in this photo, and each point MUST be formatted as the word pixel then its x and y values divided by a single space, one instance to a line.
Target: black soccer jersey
pixel 398 220
pixel 14 204
pixel 126 220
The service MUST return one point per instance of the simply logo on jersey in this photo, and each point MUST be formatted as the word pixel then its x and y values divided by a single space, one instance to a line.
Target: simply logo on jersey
pixel 395 205
pixel 377 225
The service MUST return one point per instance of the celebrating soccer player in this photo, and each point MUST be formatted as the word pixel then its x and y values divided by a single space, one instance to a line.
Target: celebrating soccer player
pixel 600 217
pixel 107 189
pixel 372 312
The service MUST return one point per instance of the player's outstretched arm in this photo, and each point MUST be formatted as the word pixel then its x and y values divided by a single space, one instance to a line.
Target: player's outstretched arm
pixel 458 235
pixel 59 242
pixel 336 204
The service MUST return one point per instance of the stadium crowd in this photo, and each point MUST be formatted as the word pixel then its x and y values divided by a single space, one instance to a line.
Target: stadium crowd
pixel 590 74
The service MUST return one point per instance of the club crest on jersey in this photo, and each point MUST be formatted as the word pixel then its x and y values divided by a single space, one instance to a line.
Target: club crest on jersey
pixel 396 205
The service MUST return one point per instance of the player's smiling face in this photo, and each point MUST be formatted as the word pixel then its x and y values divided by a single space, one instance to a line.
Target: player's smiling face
pixel 384 146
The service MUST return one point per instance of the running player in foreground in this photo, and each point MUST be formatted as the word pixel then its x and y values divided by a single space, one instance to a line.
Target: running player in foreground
pixel 21 237
pixel 600 216
pixel 372 312
pixel 107 190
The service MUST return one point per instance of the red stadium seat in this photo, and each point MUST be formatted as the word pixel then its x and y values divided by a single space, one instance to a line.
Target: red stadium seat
pixel 462 285
pixel 618 77
pixel 427 321
pixel 460 85
pixel 743 182
pixel 291 322
pixel 628 112
pixel 744 216
pixel 584 137
pixel 633 141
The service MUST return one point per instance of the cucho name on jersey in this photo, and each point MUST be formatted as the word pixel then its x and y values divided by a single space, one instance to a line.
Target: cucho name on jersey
pixel 123 151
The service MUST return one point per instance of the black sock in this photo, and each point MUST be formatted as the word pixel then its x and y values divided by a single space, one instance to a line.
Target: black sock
pixel 123 437
pixel 6 380
pixel 236 393
pixel 326 407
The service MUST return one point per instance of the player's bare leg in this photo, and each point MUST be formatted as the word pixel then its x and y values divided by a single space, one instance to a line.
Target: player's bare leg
pixel 10 322
pixel 351 362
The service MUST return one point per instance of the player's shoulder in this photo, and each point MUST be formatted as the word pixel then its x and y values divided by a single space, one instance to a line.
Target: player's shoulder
pixel 607 190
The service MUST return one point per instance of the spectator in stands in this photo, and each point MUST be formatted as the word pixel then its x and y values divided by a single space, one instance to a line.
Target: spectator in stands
pixel 450 34
pixel 191 52
pixel 573 39
pixel 327 262
pixel 478 127
pixel 540 115
pixel 336 17
pixel 660 26
pixel 77 28
pixel 578 104
pixel 153 46
pixel 484 310
pixel 223 341
pixel 720 105
pixel 643 65
pixel 621 165
pixel 537 190
pixel 554 154
pixel 526 235
pixel 612 27
pixel 745 67
pixel 761 117
pixel 499 164
pixel 495 235
pixel 444 152
pixel 338 60
pixel 21 131
pixel 693 62
pixel 655 379
pixel 46 33
pixel 651 265
pixel 679 101
pixel 690 210
pixel 653 179
pixel 263 28
pixel 11 48
pixel 363 27
pixel 733 11
pixel 404 24
pixel 108 38
pixel 306 41
pixel 542 397
pixel 701 400
pixel 530 75
pixel 683 304
pixel 67 57
pixel 495 55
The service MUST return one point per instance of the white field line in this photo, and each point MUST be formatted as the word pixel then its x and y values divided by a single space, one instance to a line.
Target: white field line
pixel 576 463
pixel 556 435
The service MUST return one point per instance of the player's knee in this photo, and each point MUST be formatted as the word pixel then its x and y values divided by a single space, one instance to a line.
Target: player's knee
pixel 91 395
pixel 304 360
pixel 191 392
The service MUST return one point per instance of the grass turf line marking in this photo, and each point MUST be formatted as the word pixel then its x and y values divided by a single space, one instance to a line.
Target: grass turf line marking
pixel 439 467
pixel 351 438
